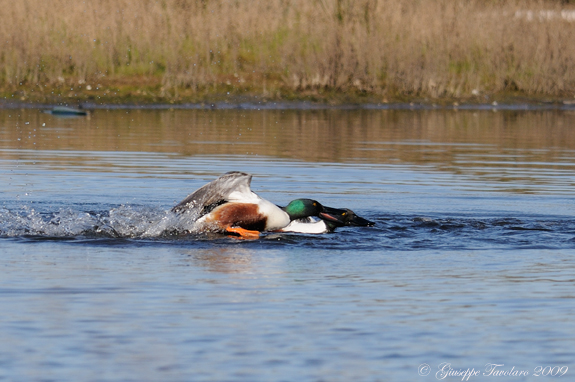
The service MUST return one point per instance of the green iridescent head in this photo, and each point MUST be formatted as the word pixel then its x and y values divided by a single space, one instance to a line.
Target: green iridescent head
pixel 302 208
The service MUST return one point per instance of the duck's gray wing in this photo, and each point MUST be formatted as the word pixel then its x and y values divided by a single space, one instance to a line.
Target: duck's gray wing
pixel 215 193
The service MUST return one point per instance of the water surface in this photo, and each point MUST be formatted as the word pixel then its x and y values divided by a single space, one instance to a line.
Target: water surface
pixel 471 261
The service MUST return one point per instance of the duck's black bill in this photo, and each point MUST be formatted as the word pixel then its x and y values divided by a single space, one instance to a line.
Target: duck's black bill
pixel 343 217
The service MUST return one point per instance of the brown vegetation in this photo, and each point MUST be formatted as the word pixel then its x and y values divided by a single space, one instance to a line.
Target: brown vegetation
pixel 284 48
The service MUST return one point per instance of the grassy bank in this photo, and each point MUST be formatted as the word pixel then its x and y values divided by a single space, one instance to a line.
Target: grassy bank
pixel 334 50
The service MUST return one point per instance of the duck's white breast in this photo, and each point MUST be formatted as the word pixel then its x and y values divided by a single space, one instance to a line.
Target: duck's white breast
pixel 311 226
pixel 277 218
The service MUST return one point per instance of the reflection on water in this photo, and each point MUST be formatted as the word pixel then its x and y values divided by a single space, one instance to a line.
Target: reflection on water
pixel 470 262
pixel 529 148
pixel 222 259
pixel 381 136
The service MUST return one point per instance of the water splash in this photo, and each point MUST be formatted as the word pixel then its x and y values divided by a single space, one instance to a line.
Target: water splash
pixel 121 222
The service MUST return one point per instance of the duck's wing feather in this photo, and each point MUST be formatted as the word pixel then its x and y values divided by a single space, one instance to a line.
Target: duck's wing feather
pixel 216 193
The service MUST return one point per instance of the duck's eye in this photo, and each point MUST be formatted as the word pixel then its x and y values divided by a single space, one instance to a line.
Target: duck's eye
pixel 345 213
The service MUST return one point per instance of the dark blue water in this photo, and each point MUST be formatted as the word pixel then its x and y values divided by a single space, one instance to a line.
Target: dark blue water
pixel 471 261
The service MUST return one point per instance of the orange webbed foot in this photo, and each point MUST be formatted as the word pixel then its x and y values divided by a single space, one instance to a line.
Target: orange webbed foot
pixel 243 233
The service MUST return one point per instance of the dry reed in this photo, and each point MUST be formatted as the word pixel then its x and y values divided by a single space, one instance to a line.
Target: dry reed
pixel 441 48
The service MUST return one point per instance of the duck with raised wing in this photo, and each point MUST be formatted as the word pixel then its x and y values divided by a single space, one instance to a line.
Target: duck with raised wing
pixel 228 205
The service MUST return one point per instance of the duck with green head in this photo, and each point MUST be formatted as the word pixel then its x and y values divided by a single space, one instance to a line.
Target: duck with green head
pixel 228 205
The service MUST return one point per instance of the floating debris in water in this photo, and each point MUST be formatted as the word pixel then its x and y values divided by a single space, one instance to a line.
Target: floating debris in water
pixel 67 111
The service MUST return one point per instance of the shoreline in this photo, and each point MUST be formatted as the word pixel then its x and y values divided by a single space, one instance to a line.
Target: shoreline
pixel 255 103
pixel 128 95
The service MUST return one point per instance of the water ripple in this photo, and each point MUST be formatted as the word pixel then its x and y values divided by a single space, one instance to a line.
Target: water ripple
pixel 403 232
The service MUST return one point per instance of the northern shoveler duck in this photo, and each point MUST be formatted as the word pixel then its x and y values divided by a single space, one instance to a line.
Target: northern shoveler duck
pixel 228 204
